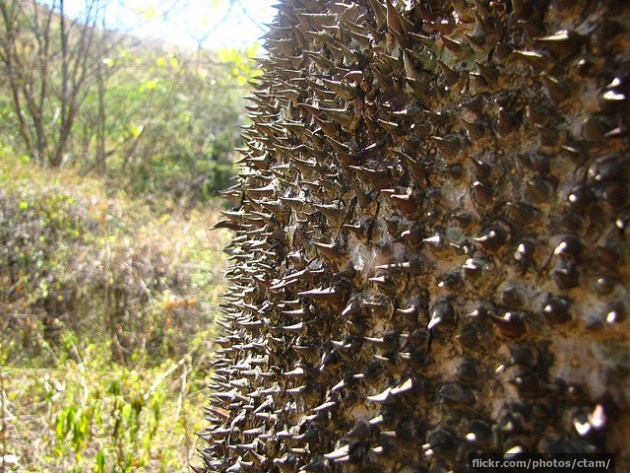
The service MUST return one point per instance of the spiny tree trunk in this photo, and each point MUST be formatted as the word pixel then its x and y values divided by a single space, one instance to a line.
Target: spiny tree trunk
pixel 431 254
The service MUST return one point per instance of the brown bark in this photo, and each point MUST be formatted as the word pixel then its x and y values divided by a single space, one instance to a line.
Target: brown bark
pixel 431 247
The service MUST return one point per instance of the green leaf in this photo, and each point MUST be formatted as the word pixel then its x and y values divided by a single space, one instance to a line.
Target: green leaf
pixel 59 429
pixel 150 12
pixel 136 130
pixel 100 462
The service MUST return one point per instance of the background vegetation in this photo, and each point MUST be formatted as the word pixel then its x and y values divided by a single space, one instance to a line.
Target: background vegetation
pixel 111 154
pixel 149 117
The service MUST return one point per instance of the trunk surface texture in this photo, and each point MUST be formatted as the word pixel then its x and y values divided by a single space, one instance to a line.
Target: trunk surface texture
pixel 431 248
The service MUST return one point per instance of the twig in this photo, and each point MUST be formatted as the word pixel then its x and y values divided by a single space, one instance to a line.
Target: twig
pixel 164 375
pixel 182 392
pixel 3 421
pixel 250 17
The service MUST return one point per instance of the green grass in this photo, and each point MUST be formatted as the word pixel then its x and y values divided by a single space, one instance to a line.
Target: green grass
pixel 95 416
pixel 107 309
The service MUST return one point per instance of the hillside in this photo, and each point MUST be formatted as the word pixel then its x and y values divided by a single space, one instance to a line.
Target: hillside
pixel 107 309
pixel 147 118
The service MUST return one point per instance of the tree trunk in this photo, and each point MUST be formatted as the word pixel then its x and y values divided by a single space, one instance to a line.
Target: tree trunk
pixel 431 256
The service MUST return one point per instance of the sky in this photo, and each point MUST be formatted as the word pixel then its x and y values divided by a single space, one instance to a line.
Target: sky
pixel 215 24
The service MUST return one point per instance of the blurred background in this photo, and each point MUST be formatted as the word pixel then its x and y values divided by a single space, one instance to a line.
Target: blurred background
pixel 119 122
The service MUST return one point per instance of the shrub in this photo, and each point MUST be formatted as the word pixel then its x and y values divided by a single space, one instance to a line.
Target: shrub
pixel 73 259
